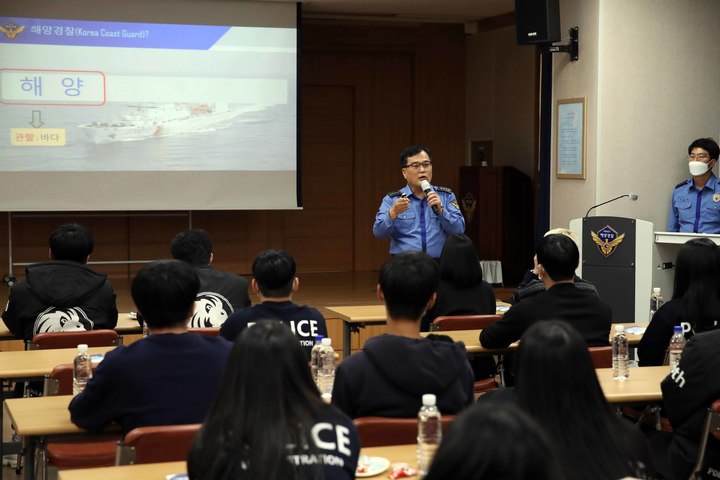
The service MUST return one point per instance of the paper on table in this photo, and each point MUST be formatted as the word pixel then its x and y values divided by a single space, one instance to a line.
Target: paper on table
pixel 635 330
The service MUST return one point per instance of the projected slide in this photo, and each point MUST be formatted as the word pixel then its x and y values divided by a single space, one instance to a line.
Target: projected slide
pixel 90 96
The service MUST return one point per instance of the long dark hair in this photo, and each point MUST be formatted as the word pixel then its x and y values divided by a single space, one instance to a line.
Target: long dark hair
pixel 266 402
pixel 697 280
pixel 557 385
pixel 459 264
pixel 491 441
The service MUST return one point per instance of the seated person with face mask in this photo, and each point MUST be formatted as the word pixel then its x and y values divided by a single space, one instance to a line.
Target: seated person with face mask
pixel 695 205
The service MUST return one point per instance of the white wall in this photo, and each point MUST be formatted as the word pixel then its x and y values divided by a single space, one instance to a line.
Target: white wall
pixel 650 70
pixel 501 97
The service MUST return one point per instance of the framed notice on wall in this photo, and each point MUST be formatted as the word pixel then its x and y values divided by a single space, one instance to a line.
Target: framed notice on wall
pixel 570 139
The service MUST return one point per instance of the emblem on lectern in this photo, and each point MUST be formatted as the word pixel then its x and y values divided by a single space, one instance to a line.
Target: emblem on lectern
pixel 607 240
pixel 468 207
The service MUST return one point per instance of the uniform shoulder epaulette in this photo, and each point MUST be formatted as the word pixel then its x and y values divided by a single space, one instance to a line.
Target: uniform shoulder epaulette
pixel 680 184
pixel 394 194
pixel 443 189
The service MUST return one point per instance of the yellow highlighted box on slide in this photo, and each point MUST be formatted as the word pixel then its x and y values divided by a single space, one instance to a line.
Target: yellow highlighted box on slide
pixel 37 137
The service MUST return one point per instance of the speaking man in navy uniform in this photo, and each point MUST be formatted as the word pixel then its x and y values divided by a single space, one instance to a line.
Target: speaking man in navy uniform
pixel 695 203
pixel 419 216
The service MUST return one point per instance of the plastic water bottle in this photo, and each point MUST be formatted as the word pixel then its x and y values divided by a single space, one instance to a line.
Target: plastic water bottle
pixel 326 368
pixel 620 367
pixel 82 369
pixel 429 433
pixel 315 357
pixel 656 301
pixel 677 344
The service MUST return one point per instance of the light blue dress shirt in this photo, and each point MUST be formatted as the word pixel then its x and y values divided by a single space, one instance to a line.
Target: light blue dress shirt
pixel 693 210
pixel 418 228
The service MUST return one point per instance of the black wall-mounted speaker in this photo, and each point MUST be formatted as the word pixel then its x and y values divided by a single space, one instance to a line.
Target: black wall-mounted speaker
pixel 537 21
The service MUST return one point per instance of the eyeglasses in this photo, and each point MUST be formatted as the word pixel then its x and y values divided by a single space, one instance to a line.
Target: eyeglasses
pixel 417 165
pixel 699 156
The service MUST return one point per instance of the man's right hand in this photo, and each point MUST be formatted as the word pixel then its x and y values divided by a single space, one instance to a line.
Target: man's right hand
pixel 400 205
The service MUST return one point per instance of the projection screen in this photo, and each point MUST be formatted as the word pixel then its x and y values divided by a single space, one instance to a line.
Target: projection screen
pixel 153 105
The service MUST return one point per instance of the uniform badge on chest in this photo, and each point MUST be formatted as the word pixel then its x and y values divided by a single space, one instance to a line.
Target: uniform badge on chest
pixel 716 197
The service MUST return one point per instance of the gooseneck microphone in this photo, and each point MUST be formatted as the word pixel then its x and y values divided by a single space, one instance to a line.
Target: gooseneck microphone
pixel 425 185
pixel 632 196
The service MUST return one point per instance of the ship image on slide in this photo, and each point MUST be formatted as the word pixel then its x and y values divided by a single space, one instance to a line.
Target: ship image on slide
pixel 145 121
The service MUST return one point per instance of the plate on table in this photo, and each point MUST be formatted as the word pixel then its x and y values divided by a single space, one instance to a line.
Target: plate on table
pixel 371 466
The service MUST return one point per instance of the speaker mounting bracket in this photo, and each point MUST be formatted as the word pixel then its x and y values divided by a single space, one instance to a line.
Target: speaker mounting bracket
pixel 571 48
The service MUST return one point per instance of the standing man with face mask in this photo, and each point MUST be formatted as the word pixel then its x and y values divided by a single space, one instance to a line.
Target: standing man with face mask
pixel 695 203
pixel 418 217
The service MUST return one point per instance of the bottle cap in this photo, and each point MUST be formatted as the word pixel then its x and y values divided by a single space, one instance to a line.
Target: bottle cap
pixel 619 328
pixel 82 348
pixel 318 338
pixel 656 290
pixel 327 341
pixel 429 399
pixel 677 329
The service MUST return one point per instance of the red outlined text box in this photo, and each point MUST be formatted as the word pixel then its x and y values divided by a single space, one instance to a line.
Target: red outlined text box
pixel 9 89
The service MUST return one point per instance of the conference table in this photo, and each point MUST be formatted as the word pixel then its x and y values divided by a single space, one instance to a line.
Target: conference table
pixel 355 317
pixel 32 365
pixel 153 471
pixel 471 339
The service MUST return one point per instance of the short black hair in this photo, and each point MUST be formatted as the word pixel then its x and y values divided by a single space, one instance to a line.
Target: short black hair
pixel 707 144
pixel 274 272
pixel 164 292
pixel 408 281
pixel 192 246
pixel 411 151
pixel 559 256
pixel 71 242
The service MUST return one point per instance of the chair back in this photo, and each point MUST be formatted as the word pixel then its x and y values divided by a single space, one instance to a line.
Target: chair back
pixel 60 380
pixel 601 356
pixel 164 443
pixel 462 322
pixel 712 428
pixel 210 332
pixel 383 431
pixel 93 338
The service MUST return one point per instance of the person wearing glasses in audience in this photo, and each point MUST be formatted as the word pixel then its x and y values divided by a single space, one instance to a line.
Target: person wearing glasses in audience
pixel 413 220
pixel 695 203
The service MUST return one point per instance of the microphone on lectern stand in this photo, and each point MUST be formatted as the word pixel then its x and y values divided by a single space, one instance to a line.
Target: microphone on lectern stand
pixel 632 196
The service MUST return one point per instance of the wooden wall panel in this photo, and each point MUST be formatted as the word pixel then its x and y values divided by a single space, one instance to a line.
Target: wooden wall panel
pixel 367 91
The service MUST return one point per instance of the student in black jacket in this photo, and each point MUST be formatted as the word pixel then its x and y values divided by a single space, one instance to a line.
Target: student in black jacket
pixel 695 304
pixel 389 377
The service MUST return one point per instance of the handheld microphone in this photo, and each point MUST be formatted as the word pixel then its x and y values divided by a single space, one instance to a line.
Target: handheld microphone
pixel 632 196
pixel 425 185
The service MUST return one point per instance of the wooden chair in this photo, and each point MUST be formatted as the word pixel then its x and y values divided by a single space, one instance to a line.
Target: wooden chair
pixel 383 431
pixel 601 356
pixel 93 338
pixel 60 455
pixel 211 332
pixel 462 322
pixel 468 322
pixel 712 429
pixel 166 443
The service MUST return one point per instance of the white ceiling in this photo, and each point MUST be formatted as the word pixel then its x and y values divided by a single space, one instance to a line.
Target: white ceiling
pixel 430 10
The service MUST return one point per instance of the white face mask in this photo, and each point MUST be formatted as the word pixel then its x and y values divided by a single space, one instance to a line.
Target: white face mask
pixel 697 168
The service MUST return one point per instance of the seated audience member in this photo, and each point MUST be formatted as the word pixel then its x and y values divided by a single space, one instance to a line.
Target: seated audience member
pixel 557 257
pixel 170 377
pixel 688 391
pixel 221 293
pixel 557 385
pixel 268 421
pixel 695 304
pixel 274 281
pixel 462 290
pixel 532 285
pixel 63 294
pixel 389 377
pixel 492 441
